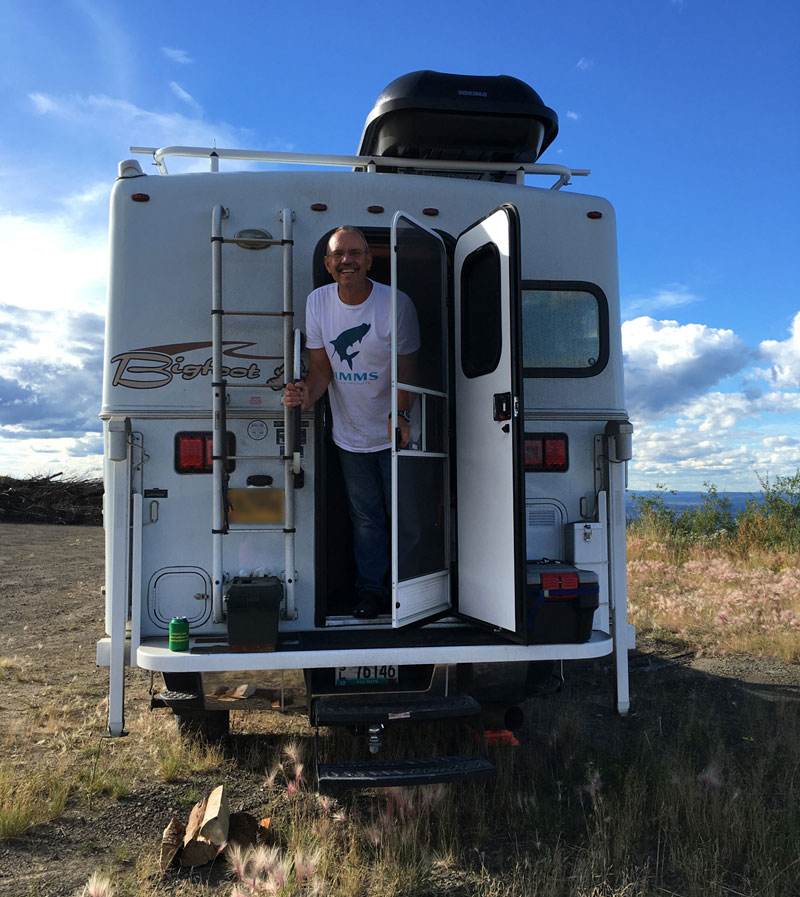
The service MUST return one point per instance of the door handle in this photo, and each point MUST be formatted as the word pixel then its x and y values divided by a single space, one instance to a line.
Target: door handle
pixel 502 406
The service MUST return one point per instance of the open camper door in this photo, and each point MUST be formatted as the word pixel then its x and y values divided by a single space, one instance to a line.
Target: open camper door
pixel 488 390
pixel 420 470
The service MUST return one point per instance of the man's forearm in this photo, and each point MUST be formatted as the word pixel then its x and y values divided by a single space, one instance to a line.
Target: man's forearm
pixel 316 383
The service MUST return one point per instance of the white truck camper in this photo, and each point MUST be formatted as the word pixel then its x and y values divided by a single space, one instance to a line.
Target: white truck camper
pixel 226 510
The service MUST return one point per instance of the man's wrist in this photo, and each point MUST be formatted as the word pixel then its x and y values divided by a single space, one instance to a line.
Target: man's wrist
pixel 406 415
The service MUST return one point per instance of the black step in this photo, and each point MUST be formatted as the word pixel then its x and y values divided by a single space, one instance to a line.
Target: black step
pixel 344 711
pixel 188 700
pixel 417 771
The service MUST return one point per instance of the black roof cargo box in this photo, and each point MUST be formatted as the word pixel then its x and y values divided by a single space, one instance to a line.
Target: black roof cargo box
pixel 470 118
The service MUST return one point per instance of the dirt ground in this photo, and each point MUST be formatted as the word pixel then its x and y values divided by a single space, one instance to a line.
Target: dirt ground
pixel 52 612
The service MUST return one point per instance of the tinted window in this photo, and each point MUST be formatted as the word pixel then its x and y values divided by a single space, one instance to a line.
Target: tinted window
pixel 481 335
pixel 564 330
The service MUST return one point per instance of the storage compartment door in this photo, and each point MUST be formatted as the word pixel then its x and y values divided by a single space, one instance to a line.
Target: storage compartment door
pixel 488 392
pixel 420 470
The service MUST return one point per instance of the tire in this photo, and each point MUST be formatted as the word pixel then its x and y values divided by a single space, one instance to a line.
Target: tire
pixel 209 726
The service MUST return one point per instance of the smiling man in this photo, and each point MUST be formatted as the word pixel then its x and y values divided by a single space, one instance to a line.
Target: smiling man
pixel 349 337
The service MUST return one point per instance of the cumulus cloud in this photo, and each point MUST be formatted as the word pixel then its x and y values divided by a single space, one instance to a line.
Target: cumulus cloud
pixel 667 364
pixel 179 56
pixel 51 262
pixel 784 356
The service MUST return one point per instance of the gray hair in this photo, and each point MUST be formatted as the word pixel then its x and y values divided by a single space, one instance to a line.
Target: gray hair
pixel 348 229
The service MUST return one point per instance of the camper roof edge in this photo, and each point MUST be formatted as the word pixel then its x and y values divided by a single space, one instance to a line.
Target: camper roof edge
pixel 368 163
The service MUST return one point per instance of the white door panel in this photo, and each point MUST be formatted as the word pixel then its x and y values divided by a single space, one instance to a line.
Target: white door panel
pixel 488 433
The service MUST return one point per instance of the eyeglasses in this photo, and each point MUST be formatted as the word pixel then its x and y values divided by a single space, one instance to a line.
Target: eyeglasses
pixel 339 254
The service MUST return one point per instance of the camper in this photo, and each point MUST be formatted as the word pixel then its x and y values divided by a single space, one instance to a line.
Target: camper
pixel 229 558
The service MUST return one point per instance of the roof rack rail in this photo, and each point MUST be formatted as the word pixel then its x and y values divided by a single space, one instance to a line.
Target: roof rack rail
pixel 364 163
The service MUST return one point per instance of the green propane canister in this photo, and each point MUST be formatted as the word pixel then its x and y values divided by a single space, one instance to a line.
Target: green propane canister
pixel 179 634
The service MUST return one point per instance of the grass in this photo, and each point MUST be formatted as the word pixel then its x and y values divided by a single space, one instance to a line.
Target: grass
pixel 697 792
pixel 26 801
pixel 719 583
pixel 672 808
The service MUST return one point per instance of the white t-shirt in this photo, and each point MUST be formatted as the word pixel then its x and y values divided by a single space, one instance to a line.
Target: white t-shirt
pixel 358 341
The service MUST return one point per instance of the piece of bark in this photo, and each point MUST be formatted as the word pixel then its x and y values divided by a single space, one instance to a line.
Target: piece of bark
pixel 216 817
pixel 197 850
pixel 171 842
pixel 243 829
pixel 195 820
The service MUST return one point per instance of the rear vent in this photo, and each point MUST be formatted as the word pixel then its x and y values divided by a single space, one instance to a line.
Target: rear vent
pixel 544 530
pixel 541 517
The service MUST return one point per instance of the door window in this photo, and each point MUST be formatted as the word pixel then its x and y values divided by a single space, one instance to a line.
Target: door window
pixel 481 318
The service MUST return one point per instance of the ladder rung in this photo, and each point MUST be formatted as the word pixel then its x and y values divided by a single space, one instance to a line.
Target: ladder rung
pixel 233 528
pixel 258 314
pixel 260 240
pixel 249 385
pixel 255 458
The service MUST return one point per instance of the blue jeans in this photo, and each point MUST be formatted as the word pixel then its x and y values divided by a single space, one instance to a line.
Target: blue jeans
pixel 368 480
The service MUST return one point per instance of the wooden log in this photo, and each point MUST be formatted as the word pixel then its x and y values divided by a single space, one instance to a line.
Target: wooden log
pixel 171 842
pixel 197 850
pixel 216 817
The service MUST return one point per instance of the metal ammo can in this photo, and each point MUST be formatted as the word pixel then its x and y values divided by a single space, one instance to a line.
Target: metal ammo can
pixel 179 634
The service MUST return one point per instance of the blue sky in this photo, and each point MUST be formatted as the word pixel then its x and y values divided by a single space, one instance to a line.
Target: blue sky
pixel 685 110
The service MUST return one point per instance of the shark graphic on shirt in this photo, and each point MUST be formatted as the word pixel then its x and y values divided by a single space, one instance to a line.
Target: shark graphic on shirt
pixel 348 338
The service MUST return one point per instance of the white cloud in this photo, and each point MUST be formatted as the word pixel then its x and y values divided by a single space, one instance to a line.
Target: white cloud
pixel 672 296
pixel 179 56
pixel 785 358
pixel 52 263
pixel 79 456
pixel 679 456
pixel 43 104
pixel 667 364
pixel 107 121
pixel 181 94
pixel 584 64
pixel 573 115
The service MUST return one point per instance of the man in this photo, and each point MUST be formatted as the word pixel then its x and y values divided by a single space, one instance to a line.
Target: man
pixel 349 337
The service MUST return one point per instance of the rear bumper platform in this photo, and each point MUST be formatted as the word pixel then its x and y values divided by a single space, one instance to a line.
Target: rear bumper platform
pixel 395 647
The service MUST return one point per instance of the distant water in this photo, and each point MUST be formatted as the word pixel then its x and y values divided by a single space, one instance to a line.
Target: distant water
pixel 682 501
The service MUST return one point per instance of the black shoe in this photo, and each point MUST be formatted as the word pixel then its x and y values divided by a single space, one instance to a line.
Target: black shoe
pixel 370 605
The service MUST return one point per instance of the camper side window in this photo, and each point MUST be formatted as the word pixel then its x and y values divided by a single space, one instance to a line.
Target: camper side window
pixel 481 315
pixel 564 329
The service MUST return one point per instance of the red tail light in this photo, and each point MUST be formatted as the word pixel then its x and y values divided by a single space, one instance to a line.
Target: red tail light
pixel 546 452
pixel 194 452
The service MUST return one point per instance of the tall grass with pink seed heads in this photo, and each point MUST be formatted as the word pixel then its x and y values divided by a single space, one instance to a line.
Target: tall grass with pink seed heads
pixel 736 589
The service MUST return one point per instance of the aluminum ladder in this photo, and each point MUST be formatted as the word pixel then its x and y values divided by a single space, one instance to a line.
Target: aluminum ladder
pixel 219 392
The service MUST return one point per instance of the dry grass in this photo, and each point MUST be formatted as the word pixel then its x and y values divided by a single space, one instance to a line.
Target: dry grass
pixel 712 598
pixel 696 793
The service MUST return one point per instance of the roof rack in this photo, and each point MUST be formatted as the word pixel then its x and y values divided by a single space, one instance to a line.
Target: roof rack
pixel 362 163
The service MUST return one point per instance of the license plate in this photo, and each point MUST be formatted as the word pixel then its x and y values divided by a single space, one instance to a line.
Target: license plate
pixel 255 506
pixel 380 674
